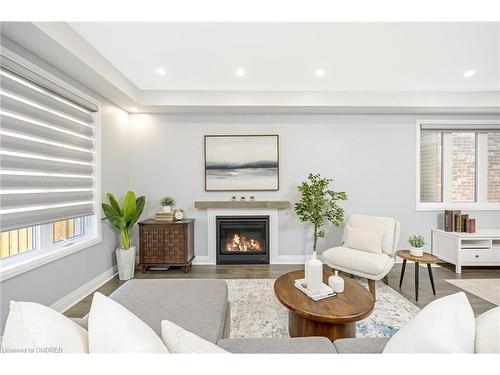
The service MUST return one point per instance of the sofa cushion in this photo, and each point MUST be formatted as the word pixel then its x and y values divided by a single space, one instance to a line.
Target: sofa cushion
pixel 364 240
pixel 488 332
pixel 366 345
pixel 114 329
pixel 188 303
pixel 34 328
pixel 376 223
pixel 360 262
pixel 278 345
pixel 178 340
pixel 446 325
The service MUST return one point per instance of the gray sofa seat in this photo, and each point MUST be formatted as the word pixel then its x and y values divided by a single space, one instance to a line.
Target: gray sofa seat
pixel 278 345
pixel 367 345
pixel 199 306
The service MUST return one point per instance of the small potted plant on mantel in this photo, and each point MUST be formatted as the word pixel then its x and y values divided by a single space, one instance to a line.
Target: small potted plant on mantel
pixel 318 205
pixel 123 218
pixel 166 204
pixel 416 245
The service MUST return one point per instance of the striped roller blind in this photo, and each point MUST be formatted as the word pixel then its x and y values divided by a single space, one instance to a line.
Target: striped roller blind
pixel 46 155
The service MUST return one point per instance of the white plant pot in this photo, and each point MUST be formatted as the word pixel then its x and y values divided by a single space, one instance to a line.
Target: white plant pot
pixel 126 263
pixel 166 209
pixel 416 251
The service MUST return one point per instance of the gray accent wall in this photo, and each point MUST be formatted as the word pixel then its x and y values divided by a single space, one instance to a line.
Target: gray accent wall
pixel 371 157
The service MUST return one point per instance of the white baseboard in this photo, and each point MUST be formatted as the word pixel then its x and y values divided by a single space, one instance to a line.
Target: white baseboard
pixel 77 295
pixel 203 260
pixel 280 259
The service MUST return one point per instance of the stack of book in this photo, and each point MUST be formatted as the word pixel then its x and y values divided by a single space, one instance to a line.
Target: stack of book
pixel 455 221
pixel 164 216
pixel 323 293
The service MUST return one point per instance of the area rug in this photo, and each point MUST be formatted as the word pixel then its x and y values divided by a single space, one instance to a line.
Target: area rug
pixel 255 311
pixel 487 289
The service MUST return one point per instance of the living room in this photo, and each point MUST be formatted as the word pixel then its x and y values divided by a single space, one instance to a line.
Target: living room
pixel 238 188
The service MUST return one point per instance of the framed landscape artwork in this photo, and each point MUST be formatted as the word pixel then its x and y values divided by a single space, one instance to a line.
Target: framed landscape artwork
pixel 241 162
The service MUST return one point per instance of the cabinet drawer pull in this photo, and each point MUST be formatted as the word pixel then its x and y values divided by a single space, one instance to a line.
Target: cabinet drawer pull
pixel 477 256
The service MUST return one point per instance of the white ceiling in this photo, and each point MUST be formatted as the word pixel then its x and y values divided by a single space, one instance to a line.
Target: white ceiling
pixel 284 56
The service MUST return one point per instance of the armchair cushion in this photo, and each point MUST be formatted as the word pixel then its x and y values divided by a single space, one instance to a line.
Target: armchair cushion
pixel 361 263
pixel 375 223
pixel 365 240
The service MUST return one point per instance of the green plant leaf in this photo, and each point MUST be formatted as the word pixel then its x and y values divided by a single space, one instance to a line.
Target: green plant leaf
pixel 113 217
pixel 129 205
pixel 140 202
pixel 114 203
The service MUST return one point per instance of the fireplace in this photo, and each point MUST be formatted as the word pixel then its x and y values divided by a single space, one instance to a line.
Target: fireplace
pixel 242 239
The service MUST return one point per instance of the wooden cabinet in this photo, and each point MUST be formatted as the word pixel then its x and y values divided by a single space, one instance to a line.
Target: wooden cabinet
pixel 166 243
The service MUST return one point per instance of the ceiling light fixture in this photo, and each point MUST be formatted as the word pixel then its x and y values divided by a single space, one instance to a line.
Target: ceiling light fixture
pixel 319 72
pixel 240 72
pixel 469 73
pixel 161 71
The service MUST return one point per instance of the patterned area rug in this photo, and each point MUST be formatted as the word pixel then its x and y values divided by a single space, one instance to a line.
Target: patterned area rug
pixel 255 311
pixel 487 289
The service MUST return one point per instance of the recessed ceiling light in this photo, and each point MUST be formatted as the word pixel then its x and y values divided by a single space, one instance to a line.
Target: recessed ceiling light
pixel 161 71
pixel 240 72
pixel 319 72
pixel 469 73
pixel 133 109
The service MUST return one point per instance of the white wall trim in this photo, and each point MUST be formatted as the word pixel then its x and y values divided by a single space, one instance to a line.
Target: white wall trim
pixel 77 295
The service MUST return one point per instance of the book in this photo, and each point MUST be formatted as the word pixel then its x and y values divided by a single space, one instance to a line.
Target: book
pixel 463 223
pixel 456 221
pixel 448 221
pixel 324 292
pixel 471 225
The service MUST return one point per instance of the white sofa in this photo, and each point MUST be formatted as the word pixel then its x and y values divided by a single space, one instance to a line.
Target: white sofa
pixel 373 266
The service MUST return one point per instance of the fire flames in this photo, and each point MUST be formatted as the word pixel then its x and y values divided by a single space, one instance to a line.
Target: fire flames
pixel 236 242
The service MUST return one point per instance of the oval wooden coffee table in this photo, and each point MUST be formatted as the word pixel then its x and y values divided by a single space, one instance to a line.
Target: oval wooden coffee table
pixel 333 317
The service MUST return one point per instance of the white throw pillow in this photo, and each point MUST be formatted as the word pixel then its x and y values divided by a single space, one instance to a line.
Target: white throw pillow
pixel 488 331
pixel 178 340
pixel 35 328
pixel 446 325
pixel 362 239
pixel 114 329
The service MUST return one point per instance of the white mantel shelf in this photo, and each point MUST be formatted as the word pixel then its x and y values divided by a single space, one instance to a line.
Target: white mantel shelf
pixel 242 204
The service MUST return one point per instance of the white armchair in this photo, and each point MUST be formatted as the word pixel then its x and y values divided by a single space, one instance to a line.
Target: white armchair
pixel 373 266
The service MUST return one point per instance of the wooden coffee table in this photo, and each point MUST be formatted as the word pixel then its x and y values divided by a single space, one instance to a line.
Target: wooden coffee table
pixel 426 258
pixel 333 317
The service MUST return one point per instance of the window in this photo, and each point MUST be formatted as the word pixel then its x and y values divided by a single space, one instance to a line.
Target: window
pixel 48 167
pixel 458 165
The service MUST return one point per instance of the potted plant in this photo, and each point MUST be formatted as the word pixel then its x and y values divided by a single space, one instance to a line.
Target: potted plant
pixel 123 218
pixel 166 204
pixel 318 205
pixel 416 245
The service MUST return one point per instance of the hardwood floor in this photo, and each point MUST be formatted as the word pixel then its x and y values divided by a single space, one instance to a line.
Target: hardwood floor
pixel 443 288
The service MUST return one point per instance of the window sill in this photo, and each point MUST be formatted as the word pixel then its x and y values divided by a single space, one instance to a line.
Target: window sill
pixel 458 206
pixel 7 272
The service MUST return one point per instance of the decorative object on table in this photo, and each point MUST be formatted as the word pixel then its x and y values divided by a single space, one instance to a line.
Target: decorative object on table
pixel 242 198
pixel 177 248
pixel 417 243
pixel 318 205
pixel 425 258
pixel 323 292
pixel 241 162
pixel 336 282
pixel 123 218
pixel 471 225
pixel 179 214
pixel 166 204
pixel 164 216
pixel 332 317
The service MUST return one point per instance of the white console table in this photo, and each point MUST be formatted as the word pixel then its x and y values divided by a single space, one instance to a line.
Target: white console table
pixel 467 249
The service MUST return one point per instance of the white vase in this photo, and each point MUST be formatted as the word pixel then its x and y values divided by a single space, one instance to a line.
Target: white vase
pixel 336 283
pixel 126 263
pixel 416 251
pixel 314 273
pixel 166 209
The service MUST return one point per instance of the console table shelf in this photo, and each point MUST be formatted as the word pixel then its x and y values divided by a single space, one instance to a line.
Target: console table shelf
pixel 467 249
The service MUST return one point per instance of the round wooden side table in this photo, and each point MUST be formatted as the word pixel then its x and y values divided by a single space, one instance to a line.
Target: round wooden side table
pixel 426 258
pixel 333 317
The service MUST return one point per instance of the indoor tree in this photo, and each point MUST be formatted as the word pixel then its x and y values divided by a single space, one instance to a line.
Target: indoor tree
pixel 318 205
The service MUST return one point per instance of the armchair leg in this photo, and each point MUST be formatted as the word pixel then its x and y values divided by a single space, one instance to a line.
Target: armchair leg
pixel 371 286
pixel 386 280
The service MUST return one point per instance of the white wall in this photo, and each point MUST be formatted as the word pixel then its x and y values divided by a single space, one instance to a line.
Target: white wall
pixel 371 157
pixel 53 281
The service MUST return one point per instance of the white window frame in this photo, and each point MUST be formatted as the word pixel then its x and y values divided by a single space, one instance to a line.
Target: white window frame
pixel 47 251
pixel 481 203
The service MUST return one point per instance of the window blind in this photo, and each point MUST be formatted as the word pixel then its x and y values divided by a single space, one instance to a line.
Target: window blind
pixel 46 155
